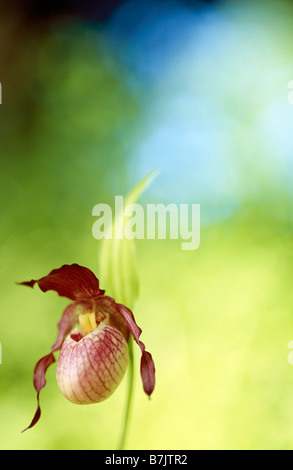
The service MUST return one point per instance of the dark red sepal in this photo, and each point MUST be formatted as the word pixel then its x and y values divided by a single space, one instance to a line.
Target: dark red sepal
pixel 72 281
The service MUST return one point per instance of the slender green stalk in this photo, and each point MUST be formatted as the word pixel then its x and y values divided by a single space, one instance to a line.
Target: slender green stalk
pixel 120 278
pixel 129 396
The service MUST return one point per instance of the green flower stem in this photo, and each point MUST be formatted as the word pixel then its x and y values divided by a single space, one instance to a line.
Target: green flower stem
pixel 129 395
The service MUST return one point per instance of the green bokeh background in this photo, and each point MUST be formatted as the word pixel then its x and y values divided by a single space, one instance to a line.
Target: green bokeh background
pixel 217 320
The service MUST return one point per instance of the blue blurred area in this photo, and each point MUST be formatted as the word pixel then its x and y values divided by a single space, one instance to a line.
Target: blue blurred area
pixel 213 86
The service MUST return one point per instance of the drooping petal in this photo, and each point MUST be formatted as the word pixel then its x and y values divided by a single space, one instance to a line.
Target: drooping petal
pixel 65 325
pixel 147 366
pixel 39 383
pixel 72 281
pixel 147 372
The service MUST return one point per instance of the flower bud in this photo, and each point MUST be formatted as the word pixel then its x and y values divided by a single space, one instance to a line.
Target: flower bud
pixel 90 367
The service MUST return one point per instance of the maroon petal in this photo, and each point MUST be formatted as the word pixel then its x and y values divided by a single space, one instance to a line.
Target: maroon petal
pixel 147 372
pixel 40 382
pixel 65 325
pixel 71 281
pixel 147 366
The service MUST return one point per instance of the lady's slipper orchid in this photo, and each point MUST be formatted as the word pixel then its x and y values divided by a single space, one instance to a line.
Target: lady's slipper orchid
pixel 94 355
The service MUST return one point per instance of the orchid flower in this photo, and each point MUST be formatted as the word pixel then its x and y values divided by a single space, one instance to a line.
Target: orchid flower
pixel 93 355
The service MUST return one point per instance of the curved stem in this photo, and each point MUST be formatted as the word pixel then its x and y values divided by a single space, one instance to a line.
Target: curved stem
pixel 129 395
